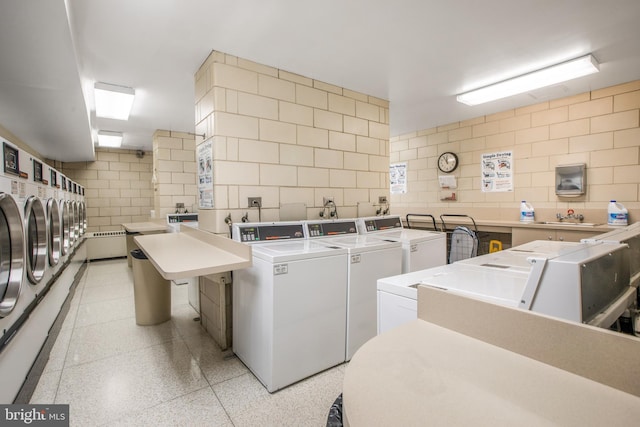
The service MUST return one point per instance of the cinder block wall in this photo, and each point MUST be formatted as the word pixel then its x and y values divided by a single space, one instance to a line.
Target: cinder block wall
pixel 288 138
pixel 174 167
pixel 117 187
pixel 599 128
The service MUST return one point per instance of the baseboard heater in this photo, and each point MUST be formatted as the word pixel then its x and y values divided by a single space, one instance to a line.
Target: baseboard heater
pixel 106 244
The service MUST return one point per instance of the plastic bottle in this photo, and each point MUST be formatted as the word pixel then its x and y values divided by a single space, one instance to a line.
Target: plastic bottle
pixel 527 213
pixel 617 214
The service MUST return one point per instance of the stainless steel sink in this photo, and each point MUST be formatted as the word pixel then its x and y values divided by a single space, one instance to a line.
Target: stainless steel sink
pixel 570 224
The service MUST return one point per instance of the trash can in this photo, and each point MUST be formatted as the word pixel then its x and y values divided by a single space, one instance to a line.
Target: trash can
pixel 151 291
pixel 131 245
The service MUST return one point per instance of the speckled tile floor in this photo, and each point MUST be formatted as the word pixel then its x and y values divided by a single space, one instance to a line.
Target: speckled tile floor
pixel 113 372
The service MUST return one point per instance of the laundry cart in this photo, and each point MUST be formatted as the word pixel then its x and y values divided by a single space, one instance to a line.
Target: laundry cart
pixel 421 221
pixel 463 239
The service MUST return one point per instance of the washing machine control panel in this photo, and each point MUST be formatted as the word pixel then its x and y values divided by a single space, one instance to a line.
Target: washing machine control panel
pixel 331 228
pixel 382 223
pixel 270 232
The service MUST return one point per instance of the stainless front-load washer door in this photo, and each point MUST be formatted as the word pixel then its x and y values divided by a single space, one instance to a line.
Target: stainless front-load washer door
pixel 83 218
pixel 54 237
pixel 35 223
pixel 70 224
pixel 76 220
pixel 65 227
pixel 11 253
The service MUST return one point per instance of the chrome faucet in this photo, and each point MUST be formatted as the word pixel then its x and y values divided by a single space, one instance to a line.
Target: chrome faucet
pixel 570 215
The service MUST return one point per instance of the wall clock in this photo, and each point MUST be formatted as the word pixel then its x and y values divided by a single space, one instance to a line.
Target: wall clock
pixel 447 162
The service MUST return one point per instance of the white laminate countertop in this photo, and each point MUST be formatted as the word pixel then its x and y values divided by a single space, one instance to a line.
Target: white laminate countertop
pixel 145 227
pixel 423 374
pixel 193 252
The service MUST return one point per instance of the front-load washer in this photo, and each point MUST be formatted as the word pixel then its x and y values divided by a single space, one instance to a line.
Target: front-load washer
pixel 11 243
pixel 368 259
pixel 54 238
pixel 290 306
pixel 421 249
pixel 66 217
pixel 35 227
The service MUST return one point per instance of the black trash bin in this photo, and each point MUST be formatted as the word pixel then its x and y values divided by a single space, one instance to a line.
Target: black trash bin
pixel 151 291
pixel 335 413
pixel 131 245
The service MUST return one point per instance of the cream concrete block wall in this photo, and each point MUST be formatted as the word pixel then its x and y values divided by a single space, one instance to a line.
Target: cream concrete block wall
pixel 288 138
pixel 117 187
pixel 174 167
pixel 600 128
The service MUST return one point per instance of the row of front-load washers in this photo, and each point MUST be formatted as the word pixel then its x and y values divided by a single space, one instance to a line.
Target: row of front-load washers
pixel 42 219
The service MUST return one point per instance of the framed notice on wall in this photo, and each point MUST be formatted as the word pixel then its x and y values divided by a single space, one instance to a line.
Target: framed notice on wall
pixel 205 175
pixel 497 172
pixel 398 178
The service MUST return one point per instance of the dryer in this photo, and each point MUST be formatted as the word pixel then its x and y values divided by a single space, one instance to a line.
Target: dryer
pixel 52 206
pixel 35 226
pixel 65 218
pixel 12 241
pixel 421 249
pixel 290 307
pixel 368 259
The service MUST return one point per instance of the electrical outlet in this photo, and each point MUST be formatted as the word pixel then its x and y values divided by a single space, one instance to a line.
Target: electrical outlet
pixel 326 200
pixel 254 202
pixel 382 199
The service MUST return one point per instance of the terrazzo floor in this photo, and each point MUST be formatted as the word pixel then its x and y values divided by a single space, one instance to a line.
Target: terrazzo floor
pixel 113 372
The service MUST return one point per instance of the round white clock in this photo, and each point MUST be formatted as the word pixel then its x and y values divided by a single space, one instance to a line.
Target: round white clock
pixel 447 162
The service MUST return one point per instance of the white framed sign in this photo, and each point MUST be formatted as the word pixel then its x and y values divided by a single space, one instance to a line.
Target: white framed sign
pixel 205 175
pixel 497 172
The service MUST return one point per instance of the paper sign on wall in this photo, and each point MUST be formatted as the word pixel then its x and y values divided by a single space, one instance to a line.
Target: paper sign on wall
pixel 398 178
pixel 205 175
pixel 497 171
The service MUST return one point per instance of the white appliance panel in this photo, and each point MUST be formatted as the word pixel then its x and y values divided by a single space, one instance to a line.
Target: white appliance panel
pixel 395 310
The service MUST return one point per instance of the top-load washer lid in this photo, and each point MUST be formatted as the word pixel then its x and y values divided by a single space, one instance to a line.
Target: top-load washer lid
pixel 362 243
pixel 295 250
pixel 504 287
pixel 407 235
pixel 11 254
pixel 35 222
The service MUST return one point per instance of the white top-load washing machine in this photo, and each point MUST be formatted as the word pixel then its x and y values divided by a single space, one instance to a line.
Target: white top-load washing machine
pixel 547 277
pixel 290 307
pixel 368 259
pixel 420 248
pixel 588 283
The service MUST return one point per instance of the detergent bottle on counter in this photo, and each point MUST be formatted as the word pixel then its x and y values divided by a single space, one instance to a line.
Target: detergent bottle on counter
pixel 527 212
pixel 617 214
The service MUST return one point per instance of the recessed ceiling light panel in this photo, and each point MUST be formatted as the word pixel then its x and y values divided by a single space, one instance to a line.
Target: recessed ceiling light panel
pixel 109 139
pixel 554 74
pixel 112 101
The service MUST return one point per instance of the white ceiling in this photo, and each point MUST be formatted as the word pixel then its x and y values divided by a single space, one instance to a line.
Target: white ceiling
pixel 416 53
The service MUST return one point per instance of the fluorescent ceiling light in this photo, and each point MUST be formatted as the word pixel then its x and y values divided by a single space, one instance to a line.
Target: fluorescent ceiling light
pixel 113 102
pixel 573 69
pixel 109 139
